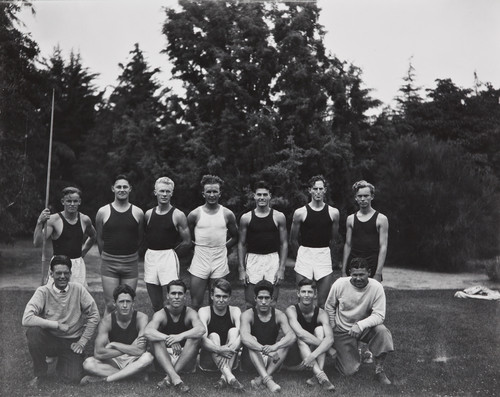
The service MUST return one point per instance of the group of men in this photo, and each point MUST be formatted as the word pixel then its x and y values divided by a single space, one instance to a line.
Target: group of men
pixel 354 310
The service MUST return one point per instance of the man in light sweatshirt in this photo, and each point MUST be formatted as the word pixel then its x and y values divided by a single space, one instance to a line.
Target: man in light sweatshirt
pixel 356 309
pixel 61 319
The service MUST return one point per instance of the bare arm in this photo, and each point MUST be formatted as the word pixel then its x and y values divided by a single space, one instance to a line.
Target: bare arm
pixel 99 223
pixel 138 347
pixel 300 332
pixel 139 216
pixel 151 331
pixel 348 243
pixel 383 233
pixel 242 248
pixel 232 228
pixel 283 252
pixel 192 220
pixel 294 231
pixel 335 216
pixel 101 352
pixel 288 335
pixel 180 222
pixel 327 341
pixel 90 233
pixel 42 221
pixel 247 339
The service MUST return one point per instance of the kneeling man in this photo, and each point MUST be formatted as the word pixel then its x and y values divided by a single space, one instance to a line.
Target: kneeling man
pixel 314 335
pixel 356 309
pixel 61 319
pixel 260 327
pixel 221 342
pixel 175 332
pixel 120 345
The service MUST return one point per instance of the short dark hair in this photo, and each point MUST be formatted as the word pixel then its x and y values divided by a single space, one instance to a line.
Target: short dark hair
pixel 306 281
pixel 263 285
pixel 71 190
pixel 222 284
pixel 60 260
pixel 315 179
pixel 211 180
pixel 123 289
pixel 177 282
pixel 262 185
pixel 121 176
pixel 361 184
pixel 359 263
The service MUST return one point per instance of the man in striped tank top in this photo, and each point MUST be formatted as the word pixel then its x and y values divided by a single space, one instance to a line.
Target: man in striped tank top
pixel 213 230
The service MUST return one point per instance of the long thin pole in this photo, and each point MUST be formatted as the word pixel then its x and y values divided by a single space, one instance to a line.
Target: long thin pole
pixel 47 189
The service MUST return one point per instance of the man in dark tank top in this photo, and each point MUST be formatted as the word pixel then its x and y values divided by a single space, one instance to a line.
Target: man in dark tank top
pixel 68 229
pixel 119 228
pixel 316 226
pixel 367 232
pixel 311 325
pixel 260 327
pixel 167 233
pixel 262 244
pixel 120 345
pixel 221 341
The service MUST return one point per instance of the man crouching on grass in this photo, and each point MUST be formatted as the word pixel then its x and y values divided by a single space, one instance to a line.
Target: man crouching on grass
pixel 175 332
pixel 314 335
pixel 356 309
pixel 120 345
pixel 221 342
pixel 260 327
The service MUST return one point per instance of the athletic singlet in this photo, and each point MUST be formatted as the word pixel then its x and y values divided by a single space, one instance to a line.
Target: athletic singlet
pixel 211 229
pixel 69 243
pixel 220 324
pixel 365 238
pixel 266 333
pixel 262 235
pixel 308 326
pixel 123 335
pixel 175 328
pixel 161 233
pixel 120 232
pixel 316 230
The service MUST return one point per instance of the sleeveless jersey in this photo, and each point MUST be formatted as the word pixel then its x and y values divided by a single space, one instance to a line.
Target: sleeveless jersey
pixel 211 229
pixel 308 326
pixel 266 333
pixel 161 233
pixel 69 243
pixel 316 230
pixel 220 324
pixel 365 238
pixel 120 233
pixel 262 235
pixel 175 328
pixel 119 334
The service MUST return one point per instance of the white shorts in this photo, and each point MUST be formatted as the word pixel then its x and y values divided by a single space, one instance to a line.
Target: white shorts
pixel 160 266
pixel 78 273
pixel 209 262
pixel 262 267
pixel 124 360
pixel 313 263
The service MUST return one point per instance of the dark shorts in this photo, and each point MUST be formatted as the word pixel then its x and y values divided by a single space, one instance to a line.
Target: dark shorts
pixel 120 266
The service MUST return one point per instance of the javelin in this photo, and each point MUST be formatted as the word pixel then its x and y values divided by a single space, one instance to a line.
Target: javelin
pixel 47 187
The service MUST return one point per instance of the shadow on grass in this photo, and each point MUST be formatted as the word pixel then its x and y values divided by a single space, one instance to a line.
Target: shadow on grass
pixel 444 346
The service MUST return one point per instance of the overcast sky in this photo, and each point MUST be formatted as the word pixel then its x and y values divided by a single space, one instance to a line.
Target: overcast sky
pixel 445 38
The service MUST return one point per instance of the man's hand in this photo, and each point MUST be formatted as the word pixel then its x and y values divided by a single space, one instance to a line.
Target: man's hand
pixel 226 352
pixel 378 277
pixel 172 339
pixel 308 362
pixel 355 331
pixel 77 347
pixel 141 342
pixel 63 327
pixel 279 276
pixel 177 349
pixel 44 216
pixel 243 277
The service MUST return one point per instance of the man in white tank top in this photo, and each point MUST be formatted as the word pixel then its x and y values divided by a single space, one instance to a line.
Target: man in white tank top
pixel 209 225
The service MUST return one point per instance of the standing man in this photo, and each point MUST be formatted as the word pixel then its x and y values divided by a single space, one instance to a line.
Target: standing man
pixel 260 327
pixel 356 310
pixel 68 230
pixel 263 245
pixel 318 224
pixel 314 335
pixel 367 232
pixel 61 319
pixel 167 233
pixel 119 232
pixel 209 225
pixel 120 345
pixel 175 333
pixel 221 341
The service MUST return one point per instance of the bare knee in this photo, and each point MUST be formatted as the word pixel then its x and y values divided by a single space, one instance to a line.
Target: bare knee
pixel 89 364
pixel 145 360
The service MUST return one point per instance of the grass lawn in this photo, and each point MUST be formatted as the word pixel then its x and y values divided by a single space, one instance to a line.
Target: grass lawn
pixel 444 347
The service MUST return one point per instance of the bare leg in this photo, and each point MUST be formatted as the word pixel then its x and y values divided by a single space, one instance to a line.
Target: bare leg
pixel 155 293
pixel 197 290
pixel 133 368
pixel 249 296
pixel 98 368
pixel 187 358
pixel 324 286
pixel 108 286
pixel 163 358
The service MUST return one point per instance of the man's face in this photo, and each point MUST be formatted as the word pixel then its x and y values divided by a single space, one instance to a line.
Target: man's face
pixel 163 193
pixel 364 197
pixel 176 296
pixel 317 191
pixel 306 294
pixel 263 301
pixel 61 275
pixel 220 299
pixel 124 304
pixel 211 193
pixel 121 189
pixel 71 202
pixel 359 278
pixel 262 197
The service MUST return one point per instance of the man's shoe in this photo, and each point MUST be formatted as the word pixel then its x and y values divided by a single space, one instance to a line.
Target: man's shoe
pixel 236 385
pixel 164 383
pixel 182 387
pixel 272 385
pixel 367 357
pixel 35 382
pixel 382 378
pixel 327 385
pixel 90 379
pixel 256 382
pixel 311 381
pixel 220 384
